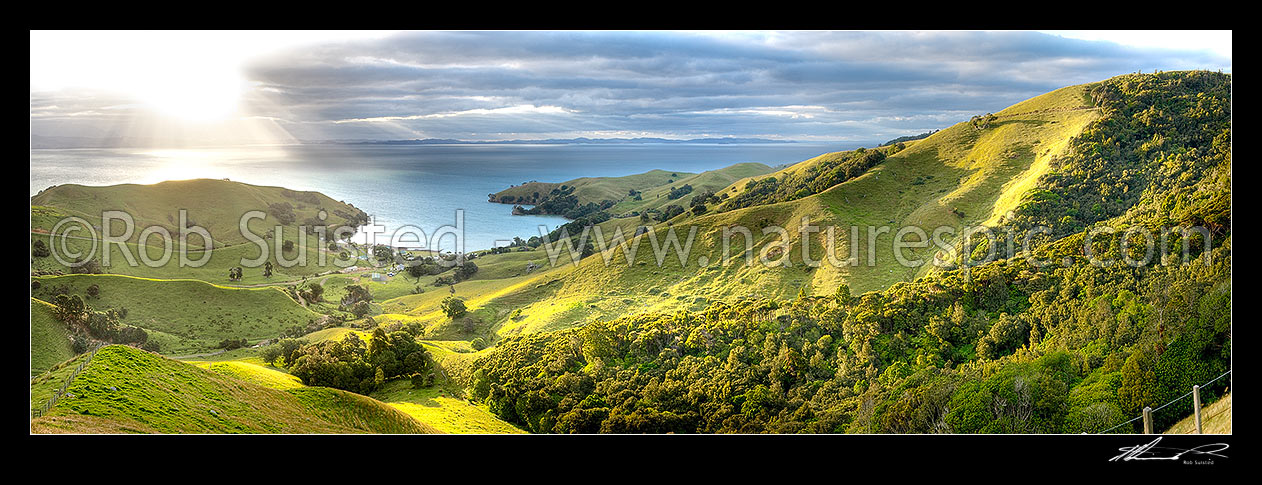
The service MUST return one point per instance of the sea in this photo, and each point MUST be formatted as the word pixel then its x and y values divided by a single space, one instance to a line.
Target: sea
pixel 411 191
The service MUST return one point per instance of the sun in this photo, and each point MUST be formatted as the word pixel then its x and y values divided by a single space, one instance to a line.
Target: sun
pixel 204 97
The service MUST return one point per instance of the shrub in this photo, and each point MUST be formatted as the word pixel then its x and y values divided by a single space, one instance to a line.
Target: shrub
pixel 454 307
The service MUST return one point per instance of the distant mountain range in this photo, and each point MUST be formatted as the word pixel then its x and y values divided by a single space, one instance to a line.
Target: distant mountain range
pixel 565 141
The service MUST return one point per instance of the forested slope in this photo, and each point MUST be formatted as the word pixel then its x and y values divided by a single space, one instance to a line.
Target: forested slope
pixel 1007 346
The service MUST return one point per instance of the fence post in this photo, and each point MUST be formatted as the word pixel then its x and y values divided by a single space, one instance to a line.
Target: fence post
pixel 1147 420
pixel 1196 407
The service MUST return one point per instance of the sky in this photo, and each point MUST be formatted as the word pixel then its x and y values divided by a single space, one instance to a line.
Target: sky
pixel 250 87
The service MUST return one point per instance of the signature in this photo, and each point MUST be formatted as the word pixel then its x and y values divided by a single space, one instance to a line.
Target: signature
pixel 1151 451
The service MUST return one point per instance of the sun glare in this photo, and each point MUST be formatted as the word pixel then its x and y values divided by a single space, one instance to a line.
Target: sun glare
pixel 184 75
pixel 211 97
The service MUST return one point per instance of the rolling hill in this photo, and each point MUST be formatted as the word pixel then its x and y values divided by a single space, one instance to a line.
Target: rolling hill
pixel 650 340
pixel 653 188
pixel 1070 338
pixel 185 316
pixel 215 205
pixel 957 177
pixel 50 341
pixel 125 390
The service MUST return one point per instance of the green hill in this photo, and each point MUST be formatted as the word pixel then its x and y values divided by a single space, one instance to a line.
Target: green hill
pixel 50 341
pixel 658 197
pixel 1055 343
pixel 957 177
pixel 128 390
pixel 185 316
pixel 440 406
pixel 587 189
pixel 653 188
pixel 216 205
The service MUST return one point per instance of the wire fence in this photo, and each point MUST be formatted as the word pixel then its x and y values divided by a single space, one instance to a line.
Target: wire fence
pixel 1158 408
pixel 43 409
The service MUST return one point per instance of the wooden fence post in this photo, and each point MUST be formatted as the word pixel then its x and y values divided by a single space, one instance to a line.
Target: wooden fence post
pixel 1196 407
pixel 1147 420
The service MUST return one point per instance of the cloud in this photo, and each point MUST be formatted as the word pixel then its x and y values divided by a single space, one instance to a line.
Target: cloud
pixel 803 85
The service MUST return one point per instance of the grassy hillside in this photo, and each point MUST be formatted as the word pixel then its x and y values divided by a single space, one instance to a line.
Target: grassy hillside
pixel 214 269
pixel 588 189
pixel 50 341
pixel 185 316
pixel 1008 346
pixel 126 389
pixel 1215 419
pixel 653 186
pixel 45 385
pixel 440 407
pixel 657 198
pixel 957 177
pixel 216 205
pixel 261 375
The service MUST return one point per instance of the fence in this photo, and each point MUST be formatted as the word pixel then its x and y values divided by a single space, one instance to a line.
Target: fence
pixel 35 413
pixel 1148 411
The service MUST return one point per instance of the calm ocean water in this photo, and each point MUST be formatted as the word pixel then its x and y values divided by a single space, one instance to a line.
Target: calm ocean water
pixel 418 185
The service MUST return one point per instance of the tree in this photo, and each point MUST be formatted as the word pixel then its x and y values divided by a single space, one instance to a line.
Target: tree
pixel 314 293
pixel 289 350
pixel 40 250
pixel 270 354
pixel 361 308
pixel 354 294
pixel 87 266
pixel 417 270
pixel 382 252
pixel 843 294
pixel 94 290
pixel 287 246
pixel 465 271
pixel 71 309
pixel 267 269
pixel 454 307
pixel 669 212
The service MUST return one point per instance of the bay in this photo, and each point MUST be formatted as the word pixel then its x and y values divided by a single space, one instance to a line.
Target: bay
pixel 399 185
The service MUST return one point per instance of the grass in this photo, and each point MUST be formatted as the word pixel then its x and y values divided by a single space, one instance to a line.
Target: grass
pixel 710 180
pixel 216 205
pixel 980 174
pixel 50 341
pixel 186 316
pixel 594 189
pixel 439 407
pixel 442 409
pixel 653 186
pixel 1215 419
pixel 959 176
pixel 125 387
pixel 126 259
pixel 46 384
pixel 266 376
